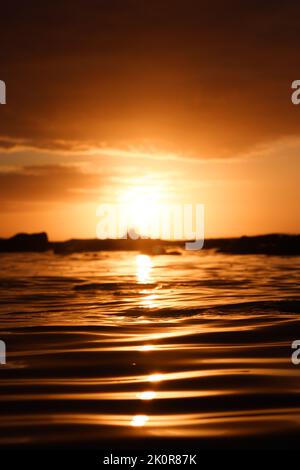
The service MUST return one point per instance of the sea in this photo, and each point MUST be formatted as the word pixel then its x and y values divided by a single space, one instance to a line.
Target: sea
pixel 123 349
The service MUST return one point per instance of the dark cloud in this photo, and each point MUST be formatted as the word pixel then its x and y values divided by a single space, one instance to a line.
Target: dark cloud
pixel 211 78
pixel 50 183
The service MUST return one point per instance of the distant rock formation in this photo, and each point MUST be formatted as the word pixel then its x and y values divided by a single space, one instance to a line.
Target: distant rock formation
pixel 273 244
pixel 148 246
pixel 25 242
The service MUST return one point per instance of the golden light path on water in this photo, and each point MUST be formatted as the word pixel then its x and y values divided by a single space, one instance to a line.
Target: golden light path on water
pixel 127 345
pixel 144 267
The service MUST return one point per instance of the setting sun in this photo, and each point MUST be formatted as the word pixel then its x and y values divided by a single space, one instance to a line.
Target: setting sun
pixel 142 204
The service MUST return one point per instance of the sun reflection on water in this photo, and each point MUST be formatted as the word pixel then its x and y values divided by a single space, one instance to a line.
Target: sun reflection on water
pixel 144 267
pixel 146 395
pixel 147 347
pixel 155 377
pixel 139 420
pixel 149 301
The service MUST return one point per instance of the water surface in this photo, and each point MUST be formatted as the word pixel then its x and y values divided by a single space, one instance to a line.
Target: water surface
pixel 122 347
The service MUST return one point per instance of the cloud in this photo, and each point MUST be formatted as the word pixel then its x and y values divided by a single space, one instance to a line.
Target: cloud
pixel 50 183
pixel 88 149
pixel 207 79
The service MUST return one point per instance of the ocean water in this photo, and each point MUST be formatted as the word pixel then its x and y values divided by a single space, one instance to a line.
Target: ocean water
pixel 125 349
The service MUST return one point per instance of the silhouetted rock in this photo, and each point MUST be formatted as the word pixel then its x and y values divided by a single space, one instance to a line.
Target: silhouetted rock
pixel 273 244
pixel 25 242
pixel 151 247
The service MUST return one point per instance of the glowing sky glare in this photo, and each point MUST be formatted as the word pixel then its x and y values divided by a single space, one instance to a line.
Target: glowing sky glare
pixel 174 114
pixel 142 203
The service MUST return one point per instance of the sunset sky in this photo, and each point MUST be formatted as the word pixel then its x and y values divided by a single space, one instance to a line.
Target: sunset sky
pixel 192 97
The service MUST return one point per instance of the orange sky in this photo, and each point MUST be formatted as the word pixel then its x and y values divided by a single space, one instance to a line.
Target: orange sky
pixel 191 96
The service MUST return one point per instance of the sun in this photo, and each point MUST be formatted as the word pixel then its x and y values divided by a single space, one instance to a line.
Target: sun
pixel 142 204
